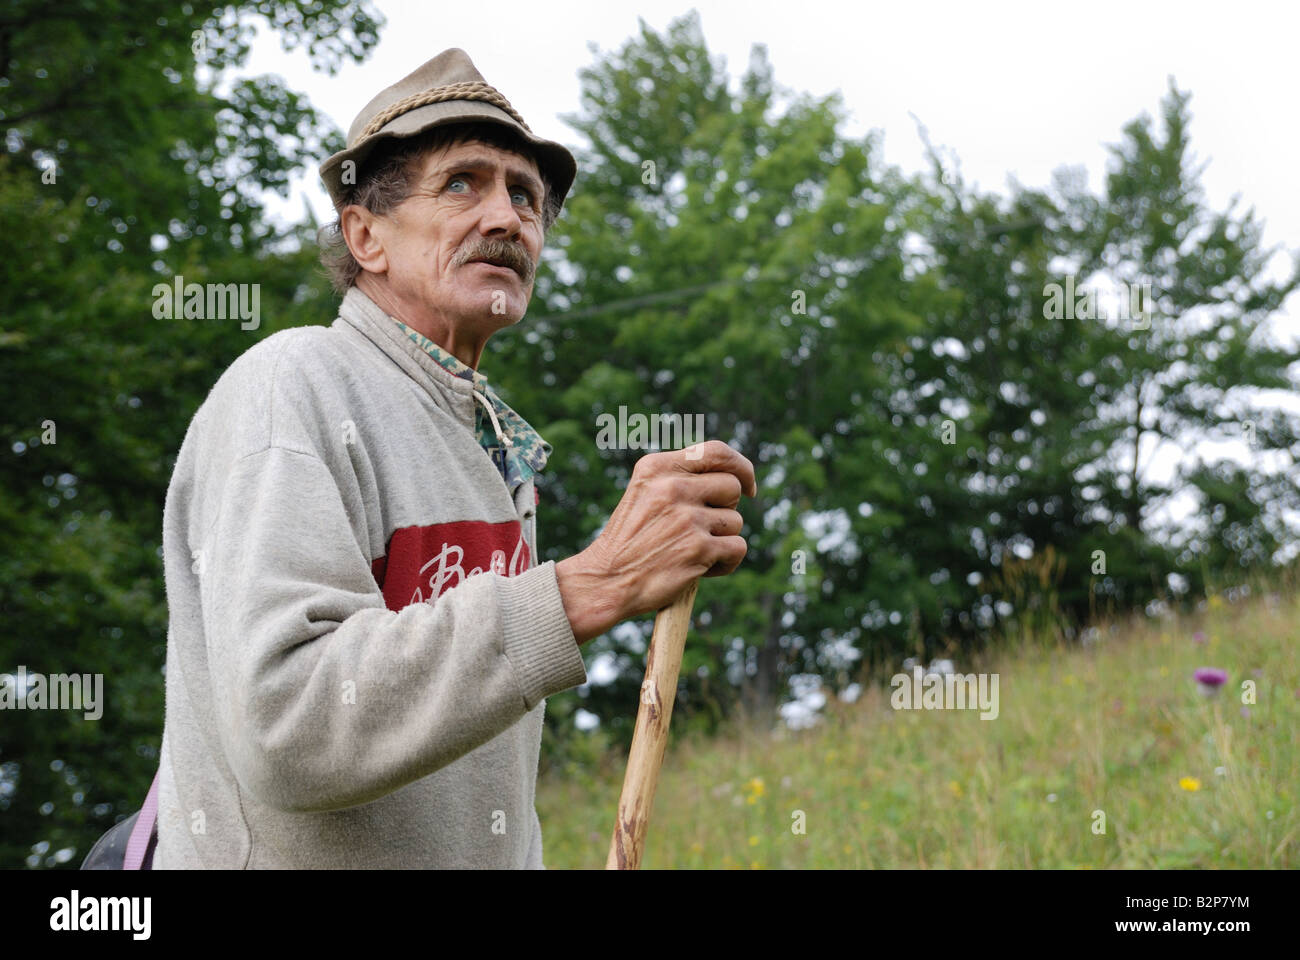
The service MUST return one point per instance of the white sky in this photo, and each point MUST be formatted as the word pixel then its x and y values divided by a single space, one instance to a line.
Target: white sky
pixel 1008 88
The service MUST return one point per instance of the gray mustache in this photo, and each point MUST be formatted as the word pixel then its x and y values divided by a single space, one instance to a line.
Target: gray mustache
pixel 504 252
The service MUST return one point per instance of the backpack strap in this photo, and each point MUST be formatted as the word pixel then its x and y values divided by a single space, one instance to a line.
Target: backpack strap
pixel 145 830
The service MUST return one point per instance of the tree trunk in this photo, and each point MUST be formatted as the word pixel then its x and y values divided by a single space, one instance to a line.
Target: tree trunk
pixel 763 689
pixel 1134 506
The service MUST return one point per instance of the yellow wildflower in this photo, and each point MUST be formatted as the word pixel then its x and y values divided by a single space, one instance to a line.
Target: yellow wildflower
pixel 955 787
pixel 1190 783
pixel 753 841
pixel 755 788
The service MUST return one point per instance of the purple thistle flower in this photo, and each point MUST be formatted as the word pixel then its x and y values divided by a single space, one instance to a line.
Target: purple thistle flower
pixel 1209 679
pixel 1198 638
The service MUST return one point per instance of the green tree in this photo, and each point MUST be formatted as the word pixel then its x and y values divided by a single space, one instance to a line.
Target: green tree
pixel 728 253
pixel 1061 405
pixel 125 167
pixel 1193 370
pixel 945 450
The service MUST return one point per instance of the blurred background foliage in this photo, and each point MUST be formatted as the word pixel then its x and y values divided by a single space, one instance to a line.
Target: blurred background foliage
pixel 941 462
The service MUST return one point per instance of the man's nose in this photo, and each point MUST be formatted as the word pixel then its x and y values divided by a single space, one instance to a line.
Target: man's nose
pixel 499 213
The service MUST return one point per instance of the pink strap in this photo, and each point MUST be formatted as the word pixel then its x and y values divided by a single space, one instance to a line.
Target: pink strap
pixel 141 833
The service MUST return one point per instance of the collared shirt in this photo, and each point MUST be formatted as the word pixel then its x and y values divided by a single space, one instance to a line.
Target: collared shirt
pixel 526 452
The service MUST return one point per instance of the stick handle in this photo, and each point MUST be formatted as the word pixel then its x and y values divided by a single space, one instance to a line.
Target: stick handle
pixel 663 663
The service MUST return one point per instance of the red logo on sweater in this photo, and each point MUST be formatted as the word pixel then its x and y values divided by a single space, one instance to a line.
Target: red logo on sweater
pixel 424 562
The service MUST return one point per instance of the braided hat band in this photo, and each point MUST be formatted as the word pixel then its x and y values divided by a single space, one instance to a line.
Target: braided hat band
pixel 467 90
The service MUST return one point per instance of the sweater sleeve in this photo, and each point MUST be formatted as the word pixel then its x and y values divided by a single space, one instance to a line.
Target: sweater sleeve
pixel 325 697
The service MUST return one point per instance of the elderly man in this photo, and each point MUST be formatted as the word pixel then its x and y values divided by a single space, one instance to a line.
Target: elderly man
pixel 362 638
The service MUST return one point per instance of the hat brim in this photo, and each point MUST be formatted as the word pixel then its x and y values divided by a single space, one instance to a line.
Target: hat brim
pixel 553 159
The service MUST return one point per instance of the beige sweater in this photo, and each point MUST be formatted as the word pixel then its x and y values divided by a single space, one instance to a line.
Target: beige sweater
pixel 361 641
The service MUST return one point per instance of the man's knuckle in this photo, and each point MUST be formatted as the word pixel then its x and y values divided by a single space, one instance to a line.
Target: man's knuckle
pixel 679 489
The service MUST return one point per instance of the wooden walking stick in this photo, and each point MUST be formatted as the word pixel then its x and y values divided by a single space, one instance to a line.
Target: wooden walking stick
pixel 663 662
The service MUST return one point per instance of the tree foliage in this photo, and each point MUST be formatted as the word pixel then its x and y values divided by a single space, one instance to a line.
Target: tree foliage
pixel 129 160
pixel 943 450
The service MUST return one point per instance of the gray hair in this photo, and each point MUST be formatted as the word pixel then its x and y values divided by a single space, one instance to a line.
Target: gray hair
pixel 388 175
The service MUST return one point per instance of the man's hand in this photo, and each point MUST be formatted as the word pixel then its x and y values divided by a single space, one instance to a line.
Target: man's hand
pixel 677 521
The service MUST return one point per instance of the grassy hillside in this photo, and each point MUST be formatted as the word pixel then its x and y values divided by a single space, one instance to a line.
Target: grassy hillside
pixel 1117 726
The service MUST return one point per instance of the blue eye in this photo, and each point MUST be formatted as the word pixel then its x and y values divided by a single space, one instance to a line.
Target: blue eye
pixel 455 180
pixel 526 197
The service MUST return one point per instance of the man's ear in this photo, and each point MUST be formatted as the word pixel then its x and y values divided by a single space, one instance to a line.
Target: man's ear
pixel 361 232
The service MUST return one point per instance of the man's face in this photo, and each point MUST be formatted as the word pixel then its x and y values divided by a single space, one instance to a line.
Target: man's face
pixel 471 203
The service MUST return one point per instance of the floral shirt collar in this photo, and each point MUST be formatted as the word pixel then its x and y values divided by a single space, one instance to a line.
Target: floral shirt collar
pixel 526 453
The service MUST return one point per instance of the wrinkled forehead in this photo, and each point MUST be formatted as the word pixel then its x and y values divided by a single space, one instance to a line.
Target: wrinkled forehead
pixel 518 164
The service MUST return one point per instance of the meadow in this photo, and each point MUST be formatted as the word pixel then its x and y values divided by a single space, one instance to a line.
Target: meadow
pixel 1106 753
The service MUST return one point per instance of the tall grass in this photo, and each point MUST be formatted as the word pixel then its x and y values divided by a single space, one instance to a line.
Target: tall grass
pixel 1111 733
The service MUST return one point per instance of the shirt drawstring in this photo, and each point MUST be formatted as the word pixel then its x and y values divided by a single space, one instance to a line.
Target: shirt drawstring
pixel 502 441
